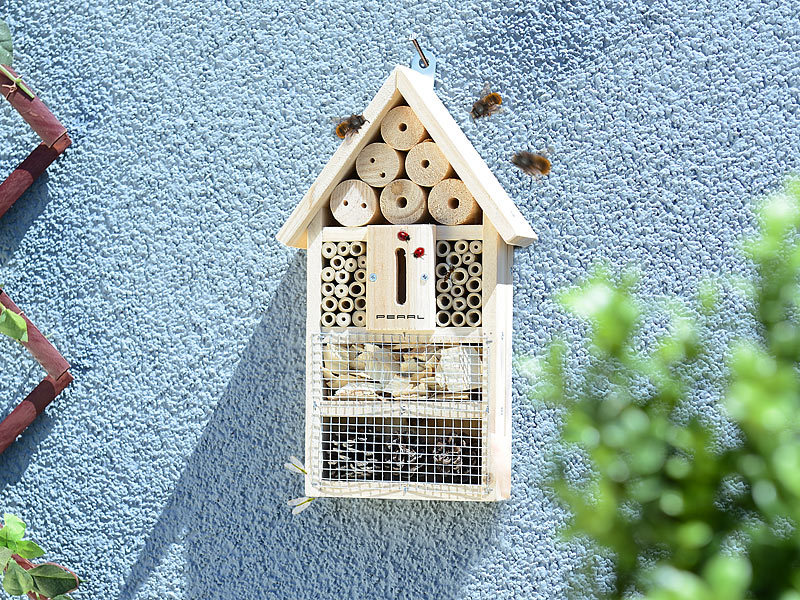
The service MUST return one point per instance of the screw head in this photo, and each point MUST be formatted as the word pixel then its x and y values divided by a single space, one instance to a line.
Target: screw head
pixel 424 277
pixel 373 277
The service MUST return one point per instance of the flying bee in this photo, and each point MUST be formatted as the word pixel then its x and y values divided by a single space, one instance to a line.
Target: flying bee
pixel 350 126
pixel 488 104
pixel 535 165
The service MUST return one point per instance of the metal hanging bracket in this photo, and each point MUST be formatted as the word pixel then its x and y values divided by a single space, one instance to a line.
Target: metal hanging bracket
pixel 423 62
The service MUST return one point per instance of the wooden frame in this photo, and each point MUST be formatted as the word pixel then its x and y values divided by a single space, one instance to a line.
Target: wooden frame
pixel 57 378
pixel 54 141
pixel 501 229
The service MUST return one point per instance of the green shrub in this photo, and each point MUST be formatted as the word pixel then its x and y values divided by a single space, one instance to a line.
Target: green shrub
pixel 684 516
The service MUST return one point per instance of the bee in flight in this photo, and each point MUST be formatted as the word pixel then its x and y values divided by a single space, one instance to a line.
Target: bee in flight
pixel 488 104
pixel 535 165
pixel 350 126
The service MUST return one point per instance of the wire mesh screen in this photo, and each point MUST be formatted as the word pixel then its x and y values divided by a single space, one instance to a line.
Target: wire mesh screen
pixel 399 411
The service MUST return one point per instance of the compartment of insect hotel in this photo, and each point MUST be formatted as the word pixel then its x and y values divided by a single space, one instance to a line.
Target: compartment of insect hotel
pixel 410 240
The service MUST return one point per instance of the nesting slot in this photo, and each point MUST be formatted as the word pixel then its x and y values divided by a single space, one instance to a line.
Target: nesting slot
pixel 434 451
pixel 459 283
pixel 342 285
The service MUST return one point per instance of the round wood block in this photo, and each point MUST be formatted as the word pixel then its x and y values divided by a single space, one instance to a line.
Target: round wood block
pixel 379 164
pixel 354 203
pixel 401 128
pixel 404 202
pixel 426 165
pixel 451 203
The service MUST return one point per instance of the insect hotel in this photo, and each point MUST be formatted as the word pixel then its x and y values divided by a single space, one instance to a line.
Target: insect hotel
pixel 410 241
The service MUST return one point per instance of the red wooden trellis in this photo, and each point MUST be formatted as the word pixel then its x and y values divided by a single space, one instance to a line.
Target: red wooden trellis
pixel 54 141
pixel 57 378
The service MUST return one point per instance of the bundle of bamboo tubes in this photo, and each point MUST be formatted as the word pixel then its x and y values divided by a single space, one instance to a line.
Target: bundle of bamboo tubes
pixel 459 283
pixel 344 288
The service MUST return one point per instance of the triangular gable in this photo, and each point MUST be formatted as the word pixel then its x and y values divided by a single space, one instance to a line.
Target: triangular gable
pixel 417 90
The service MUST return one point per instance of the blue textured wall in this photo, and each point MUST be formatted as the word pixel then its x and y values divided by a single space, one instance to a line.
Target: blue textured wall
pixel 147 253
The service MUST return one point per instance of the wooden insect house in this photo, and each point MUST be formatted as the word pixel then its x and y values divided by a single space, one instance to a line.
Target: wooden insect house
pixel 410 242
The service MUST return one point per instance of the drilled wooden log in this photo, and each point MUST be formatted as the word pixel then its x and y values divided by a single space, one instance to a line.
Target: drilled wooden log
pixel 379 164
pixel 355 204
pixel 426 164
pixel 401 128
pixel 404 202
pixel 451 203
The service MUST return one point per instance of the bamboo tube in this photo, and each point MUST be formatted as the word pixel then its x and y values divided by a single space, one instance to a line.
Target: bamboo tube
pixel 451 203
pixel 444 301
pixel 355 204
pixel 443 285
pixel 461 246
pixel 360 275
pixel 476 246
pixel 343 319
pixel 403 202
pixel 356 289
pixel 426 164
pixel 362 262
pixel 475 269
pixel 442 270
pixel 329 304
pixel 474 318
pixel 442 248
pixel 357 248
pixel 474 300
pixel 457 319
pixel 379 164
pixel 327 289
pixel 401 128
pixel 453 259
pixel 346 304
pixel 459 276
pixel 341 290
pixel 360 318
pixel 443 318
pixel 467 258
pixel 328 250
pixel 343 248
pixel 474 284
pixel 328 319
pixel 350 265
pixel 328 274
pixel 337 262
pixel 456 291
pixel 342 276
pixel 460 304
pixel 360 303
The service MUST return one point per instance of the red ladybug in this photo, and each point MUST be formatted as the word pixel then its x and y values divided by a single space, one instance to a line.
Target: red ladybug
pixel 403 236
pixel 419 252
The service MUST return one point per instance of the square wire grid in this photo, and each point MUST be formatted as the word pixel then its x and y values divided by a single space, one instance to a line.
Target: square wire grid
pixel 399 412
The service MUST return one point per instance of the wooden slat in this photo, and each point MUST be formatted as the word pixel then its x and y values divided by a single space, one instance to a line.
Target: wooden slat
pixel 293 231
pixel 33 110
pixel 470 167
pixel 39 346
pixel 443 232
pixel 399 408
pixel 30 408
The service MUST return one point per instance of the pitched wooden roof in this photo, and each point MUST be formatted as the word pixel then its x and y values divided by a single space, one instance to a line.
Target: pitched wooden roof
pixel 417 91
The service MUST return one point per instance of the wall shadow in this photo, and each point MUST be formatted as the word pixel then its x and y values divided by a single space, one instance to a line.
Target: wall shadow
pixel 19 218
pixel 228 510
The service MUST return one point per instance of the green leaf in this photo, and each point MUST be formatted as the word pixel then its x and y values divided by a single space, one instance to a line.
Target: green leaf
pixel 12 531
pixel 17 581
pixel 29 549
pixel 6 47
pixel 13 325
pixel 51 580
pixel 5 556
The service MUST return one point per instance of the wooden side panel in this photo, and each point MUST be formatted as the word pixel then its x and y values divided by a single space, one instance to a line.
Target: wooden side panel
pixel 400 279
pixel 313 300
pixel 343 160
pixel 493 199
pixel 497 315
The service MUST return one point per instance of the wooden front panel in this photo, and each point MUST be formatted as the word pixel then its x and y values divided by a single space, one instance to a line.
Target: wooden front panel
pixel 400 285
